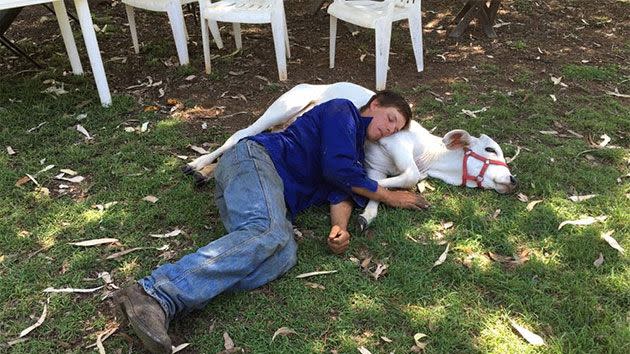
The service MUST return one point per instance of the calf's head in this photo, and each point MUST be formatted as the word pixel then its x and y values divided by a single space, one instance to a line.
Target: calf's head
pixel 483 164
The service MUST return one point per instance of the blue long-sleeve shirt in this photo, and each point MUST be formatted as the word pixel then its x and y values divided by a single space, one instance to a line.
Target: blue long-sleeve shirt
pixel 320 156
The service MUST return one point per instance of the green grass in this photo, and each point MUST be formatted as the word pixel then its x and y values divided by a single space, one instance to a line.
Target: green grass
pixel 558 293
pixel 589 72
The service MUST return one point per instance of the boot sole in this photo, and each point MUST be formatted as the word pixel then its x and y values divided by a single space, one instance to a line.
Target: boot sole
pixel 150 343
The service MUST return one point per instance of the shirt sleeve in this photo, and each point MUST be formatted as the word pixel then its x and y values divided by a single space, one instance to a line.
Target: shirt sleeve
pixel 341 165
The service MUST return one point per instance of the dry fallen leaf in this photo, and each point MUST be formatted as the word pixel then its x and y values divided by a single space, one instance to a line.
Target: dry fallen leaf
pixel 529 336
pixel 548 132
pixel 178 348
pixel 83 131
pixel 39 321
pixel 424 185
pixel 585 221
pixel 150 199
pixel 511 262
pixel 446 225
pixel 580 198
pixel 22 180
pixel 522 197
pixel 199 149
pixel 617 94
pixel 532 204
pixel 605 140
pixel 417 337
pixel 607 236
pixel 71 290
pixel 311 274
pixel 385 339
pixel 599 261
pixel 510 159
pixel 381 269
pixel 363 350
pixel 94 242
pixel 68 171
pixel 102 207
pixel 556 80
pixel 168 234
pixel 283 331
pixel 315 285
pixel 100 338
pixel 190 77
pixel 442 257
pixel 75 179
pixel 496 214
pixel 228 343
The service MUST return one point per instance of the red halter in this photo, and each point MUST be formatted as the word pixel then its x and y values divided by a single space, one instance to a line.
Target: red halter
pixel 486 162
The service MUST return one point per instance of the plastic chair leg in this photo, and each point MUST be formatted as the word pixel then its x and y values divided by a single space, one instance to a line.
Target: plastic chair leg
pixel 415 29
pixel 383 38
pixel 287 47
pixel 94 54
pixel 216 35
pixel 333 40
pixel 277 28
pixel 206 43
pixel 68 38
pixel 236 28
pixel 176 17
pixel 132 28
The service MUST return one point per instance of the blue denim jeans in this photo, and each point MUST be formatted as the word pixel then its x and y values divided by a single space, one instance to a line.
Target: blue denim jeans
pixel 258 248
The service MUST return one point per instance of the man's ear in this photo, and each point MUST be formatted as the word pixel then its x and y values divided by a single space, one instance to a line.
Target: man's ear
pixel 457 139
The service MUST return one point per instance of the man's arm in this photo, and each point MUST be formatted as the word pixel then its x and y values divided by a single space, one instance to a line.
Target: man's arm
pixel 339 237
pixel 397 199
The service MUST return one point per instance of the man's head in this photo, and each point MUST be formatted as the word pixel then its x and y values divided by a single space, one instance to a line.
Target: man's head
pixel 390 113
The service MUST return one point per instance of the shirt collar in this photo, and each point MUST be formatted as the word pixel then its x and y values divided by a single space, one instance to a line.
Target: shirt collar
pixel 363 125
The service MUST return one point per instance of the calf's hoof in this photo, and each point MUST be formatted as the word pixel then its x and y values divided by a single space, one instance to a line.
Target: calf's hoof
pixel 362 224
pixel 187 169
pixel 199 179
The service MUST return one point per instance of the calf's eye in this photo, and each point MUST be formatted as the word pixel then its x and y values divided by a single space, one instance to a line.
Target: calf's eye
pixel 489 149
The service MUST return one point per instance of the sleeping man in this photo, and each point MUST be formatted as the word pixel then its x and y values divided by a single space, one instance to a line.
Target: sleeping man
pixel 260 185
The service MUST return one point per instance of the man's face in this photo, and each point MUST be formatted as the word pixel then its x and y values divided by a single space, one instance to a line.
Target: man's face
pixel 385 121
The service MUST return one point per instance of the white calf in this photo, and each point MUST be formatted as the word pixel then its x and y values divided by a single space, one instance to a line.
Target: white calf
pixel 397 161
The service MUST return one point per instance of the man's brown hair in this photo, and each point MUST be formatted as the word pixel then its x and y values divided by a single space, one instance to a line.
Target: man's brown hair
pixel 387 98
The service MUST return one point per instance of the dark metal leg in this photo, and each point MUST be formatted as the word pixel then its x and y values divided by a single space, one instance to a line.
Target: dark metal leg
pixel 68 11
pixel 493 9
pixel 314 6
pixel 463 11
pixel 17 50
pixel 485 21
pixel 465 21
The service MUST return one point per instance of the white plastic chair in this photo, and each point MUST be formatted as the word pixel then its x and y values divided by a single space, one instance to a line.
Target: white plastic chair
pixel 379 15
pixel 89 37
pixel 245 11
pixel 175 16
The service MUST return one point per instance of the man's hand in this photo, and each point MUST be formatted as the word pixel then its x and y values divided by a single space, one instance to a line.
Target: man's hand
pixel 338 240
pixel 407 200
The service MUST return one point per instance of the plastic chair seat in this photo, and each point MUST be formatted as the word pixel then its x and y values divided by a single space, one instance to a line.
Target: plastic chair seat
pixel 245 11
pixel 366 13
pixel 379 15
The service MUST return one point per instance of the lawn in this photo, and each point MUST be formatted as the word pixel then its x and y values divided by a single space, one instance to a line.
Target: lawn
pixel 508 261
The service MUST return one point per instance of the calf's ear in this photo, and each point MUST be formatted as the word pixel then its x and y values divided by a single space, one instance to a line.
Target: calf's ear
pixel 457 139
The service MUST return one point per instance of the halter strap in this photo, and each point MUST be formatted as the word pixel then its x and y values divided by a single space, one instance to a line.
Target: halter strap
pixel 486 162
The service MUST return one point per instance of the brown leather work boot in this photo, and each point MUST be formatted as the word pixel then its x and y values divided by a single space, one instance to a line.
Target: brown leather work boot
pixel 147 318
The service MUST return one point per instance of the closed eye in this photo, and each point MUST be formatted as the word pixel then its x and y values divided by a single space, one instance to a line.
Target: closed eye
pixel 491 150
